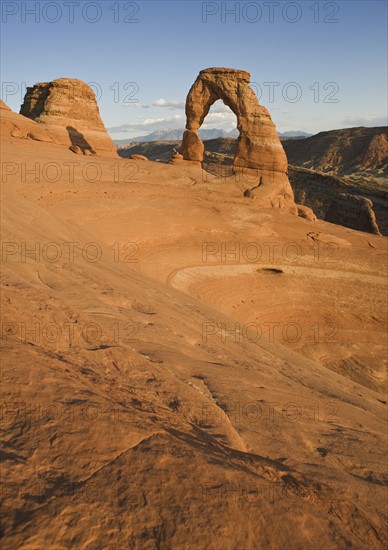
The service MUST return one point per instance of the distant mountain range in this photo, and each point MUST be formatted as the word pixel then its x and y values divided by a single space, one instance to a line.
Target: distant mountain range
pixel 294 133
pixel 172 134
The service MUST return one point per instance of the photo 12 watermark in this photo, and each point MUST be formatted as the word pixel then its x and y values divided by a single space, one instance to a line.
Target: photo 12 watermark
pixel 123 92
pixel 268 252
pixel 258 12
pixel 68 251
pixel 255 412
pixel 294 92
pixel 290 332
pixel 64 413
pixel 69 11
pixel 275 493
pixel 71 333
pixel 70 171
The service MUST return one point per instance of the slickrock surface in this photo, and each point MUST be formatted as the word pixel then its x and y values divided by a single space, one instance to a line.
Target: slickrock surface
pixel 138 157
pixel 182 369
pixel 4 106
pixel 68 108
pixel 15 126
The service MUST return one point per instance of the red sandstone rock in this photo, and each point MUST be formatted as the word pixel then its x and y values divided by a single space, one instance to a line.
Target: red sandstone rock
pixel 259 151
pixel 68 108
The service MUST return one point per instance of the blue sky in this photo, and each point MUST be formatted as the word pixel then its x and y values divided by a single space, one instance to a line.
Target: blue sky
pixel 327 61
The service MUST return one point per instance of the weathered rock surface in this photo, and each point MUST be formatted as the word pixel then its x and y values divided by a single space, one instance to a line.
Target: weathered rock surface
pixel 68 108
pixel 306 213
pixel 176 157
pixel 258 143
pixel 192 146
pixel 75 149
pixel 138 157
pixel 4 106
pixel 259 150
pixel 17 126
pixel 176 436
pixel 353 211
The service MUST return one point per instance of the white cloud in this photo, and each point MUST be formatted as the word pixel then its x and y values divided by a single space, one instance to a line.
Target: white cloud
pixel 220 116
pixel 220 107
pixel 150 121
pixel 169 104
pixel 149 124
pixel 123 128
pixel 366 120
pixel 135 105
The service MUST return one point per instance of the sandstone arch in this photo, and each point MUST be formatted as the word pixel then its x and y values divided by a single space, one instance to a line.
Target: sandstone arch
pixel 258 143
pixel 259 155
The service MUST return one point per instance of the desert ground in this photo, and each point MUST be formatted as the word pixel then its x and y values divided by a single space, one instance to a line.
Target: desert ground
pixel 182 368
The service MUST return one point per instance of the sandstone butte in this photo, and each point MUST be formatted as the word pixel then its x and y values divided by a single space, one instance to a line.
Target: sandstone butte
pixel 67 107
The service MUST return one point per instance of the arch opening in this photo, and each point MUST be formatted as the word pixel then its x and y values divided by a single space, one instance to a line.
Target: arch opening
pixel 219 134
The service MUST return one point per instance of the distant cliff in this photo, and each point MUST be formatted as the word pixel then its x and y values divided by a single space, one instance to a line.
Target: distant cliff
pixel 342 152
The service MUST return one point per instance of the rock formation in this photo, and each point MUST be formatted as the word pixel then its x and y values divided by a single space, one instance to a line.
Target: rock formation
pixel 176 157
pixel 138 157
pixel 259 151
pixel 258 143
pixel 306 213
pixel 347 151
pixel 75 149
pixel 353 211
pixel 68 109
pixel 4 106
pixel 319 192
pixel 15 126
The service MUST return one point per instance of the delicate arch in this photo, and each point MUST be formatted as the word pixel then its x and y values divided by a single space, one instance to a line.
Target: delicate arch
pixel 258 144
